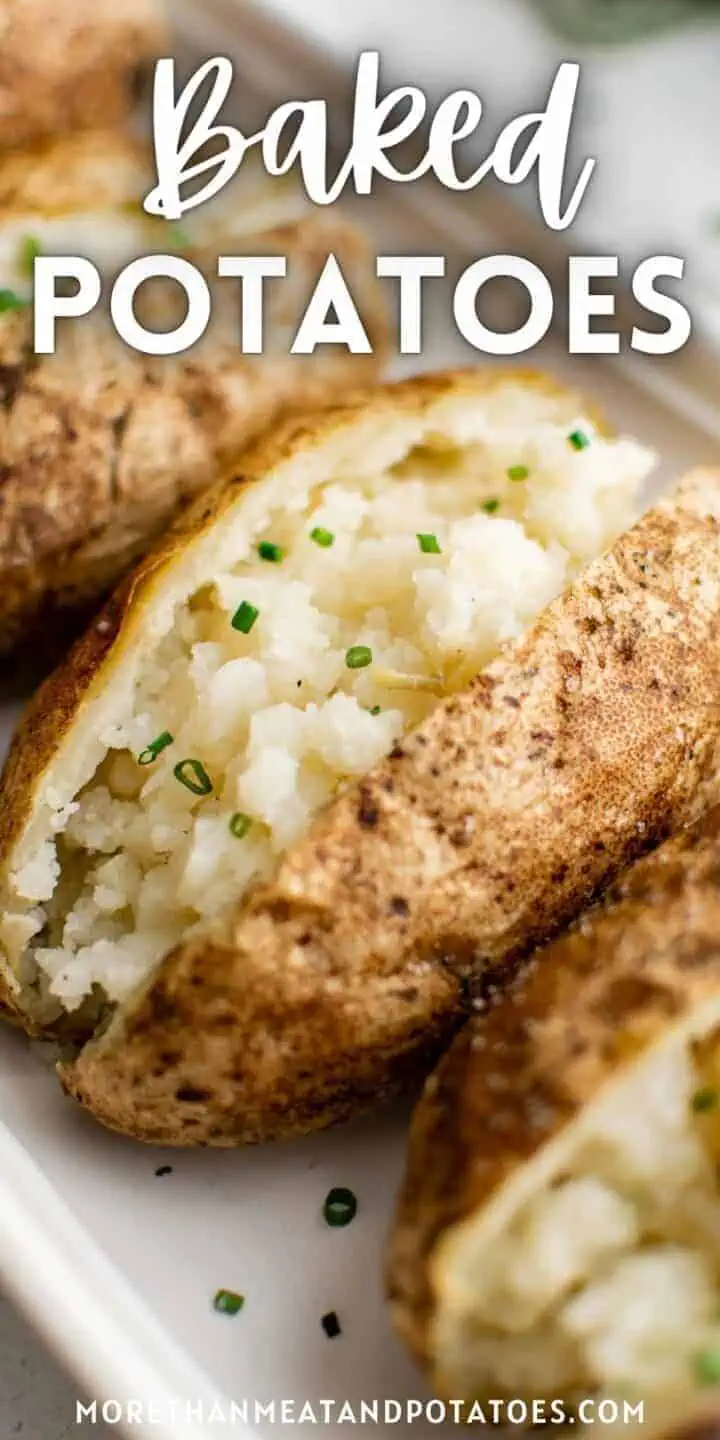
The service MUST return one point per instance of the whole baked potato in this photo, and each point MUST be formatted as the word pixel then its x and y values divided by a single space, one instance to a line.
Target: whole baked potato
pixel 72 65
pixel 558 1231
pixel 100 445
pixel 336 754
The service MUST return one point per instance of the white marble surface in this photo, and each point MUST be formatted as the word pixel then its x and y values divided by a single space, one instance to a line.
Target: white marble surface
pixel 37 1400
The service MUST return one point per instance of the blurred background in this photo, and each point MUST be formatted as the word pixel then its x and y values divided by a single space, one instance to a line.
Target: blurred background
pixel 649 104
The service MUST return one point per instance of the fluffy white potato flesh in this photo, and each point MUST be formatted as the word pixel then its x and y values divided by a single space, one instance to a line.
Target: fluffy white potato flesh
pixel 597 1270
pixel 287 650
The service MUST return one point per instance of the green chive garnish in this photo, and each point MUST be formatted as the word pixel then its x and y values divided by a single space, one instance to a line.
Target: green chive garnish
pixel 704 1100
pixel 240 824
pixel 269 551
pixel 155 748
pixel 490 506
pixel 179 237
pixel 245 617
pixel 358 656
pixel 375 709
pixel 325 538
pixel 429 544
pixel 517 472
pixel 193 775
pixel 10 301
pixel 340 1207
pixel 707 1367
pixel 29 251
pixel 579 440
pixel 228 1302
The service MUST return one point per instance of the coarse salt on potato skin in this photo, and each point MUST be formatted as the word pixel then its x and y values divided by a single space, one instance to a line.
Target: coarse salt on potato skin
pixel 599 1068
pixel 485 829
pixel 100 446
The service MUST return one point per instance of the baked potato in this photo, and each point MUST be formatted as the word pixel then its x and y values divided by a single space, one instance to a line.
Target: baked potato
pixel 100 445
pixel 264 832
pixel 72 65
pixel 558 1231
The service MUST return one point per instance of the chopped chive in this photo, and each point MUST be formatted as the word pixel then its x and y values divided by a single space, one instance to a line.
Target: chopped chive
pixel 29 250
pixel 267 550
pixel 163 1170
pixel 707 1367
pixel 705 1099
pixel 517 472
pixel 340 1207
pixel 490 506
pixel 245 617
pixel 155 748
pixel 324 538
pixel 10 301
pixel 179 236
pixel 228 1302
pixel 375 710
pixel 579 440
pixel 239 825
pixel 193 775
pixel 429 544
pixel 358 656
pixel 331 1325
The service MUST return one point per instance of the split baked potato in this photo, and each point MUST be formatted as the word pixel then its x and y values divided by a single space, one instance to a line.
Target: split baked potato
pixel 72 65
pixel 286 804
pixel 100 445
pixel 558 1231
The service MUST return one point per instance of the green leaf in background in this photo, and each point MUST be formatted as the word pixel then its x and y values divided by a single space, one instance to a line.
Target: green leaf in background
pixel 612 21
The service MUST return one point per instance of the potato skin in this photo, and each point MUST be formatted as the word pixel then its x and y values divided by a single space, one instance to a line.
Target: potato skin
pixel 101 446
pixel 489 827
pixel 513 1079
pixel 72 65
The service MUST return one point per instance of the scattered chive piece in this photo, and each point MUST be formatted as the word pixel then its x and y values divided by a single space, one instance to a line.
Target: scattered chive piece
pixel 517 472
pixel 324 538
pixel 228 1302
pixel 340 1207
pixel 704 1100
pixel 163 1170
pixel 331 1324
pixel 245 617
pixel 707 1367
pixel 429 544
pixel 30 249
pixel 579 440
pixel 193 775
pixel 10 301
pixel 358 656
pixel 490 506
pixel 267 550
pixel 155 748
pixel 375 710
pixel 240 824
pixel 179 237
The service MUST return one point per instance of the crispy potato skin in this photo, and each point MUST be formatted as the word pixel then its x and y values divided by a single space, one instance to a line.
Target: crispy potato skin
pixel 72 65
pixel 512 1080
pixel 100 447
pixel 489 827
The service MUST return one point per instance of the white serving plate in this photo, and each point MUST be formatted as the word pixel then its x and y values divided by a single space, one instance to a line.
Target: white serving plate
pixel 117 1267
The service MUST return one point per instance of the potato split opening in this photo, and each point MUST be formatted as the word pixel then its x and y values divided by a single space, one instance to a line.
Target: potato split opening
pixel 598 1270
pixel 284 651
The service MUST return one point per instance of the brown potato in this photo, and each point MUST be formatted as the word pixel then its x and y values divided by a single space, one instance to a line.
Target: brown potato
pixel 72 66
pixel 100 445
pixel 556 1233
pixel 323 990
